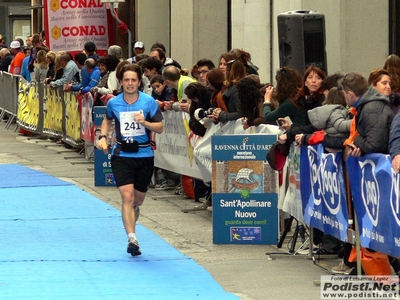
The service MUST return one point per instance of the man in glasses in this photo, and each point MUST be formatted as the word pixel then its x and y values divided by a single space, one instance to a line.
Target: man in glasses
pixel 203 66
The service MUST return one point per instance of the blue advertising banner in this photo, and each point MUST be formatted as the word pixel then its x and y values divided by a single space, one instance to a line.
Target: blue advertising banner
pixel 375 191
pixel 323 191
pixel 103 175
pixel 245 190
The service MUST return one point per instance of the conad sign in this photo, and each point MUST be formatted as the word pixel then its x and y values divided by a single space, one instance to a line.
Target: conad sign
pixel 70 24
pixel 64 4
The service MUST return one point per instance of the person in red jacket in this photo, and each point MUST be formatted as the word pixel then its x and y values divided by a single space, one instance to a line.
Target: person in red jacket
pixel 16 63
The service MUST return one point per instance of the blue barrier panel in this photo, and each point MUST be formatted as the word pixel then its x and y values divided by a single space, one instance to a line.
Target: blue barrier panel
pixel 323 191
pixel 375 192
pixel 103 175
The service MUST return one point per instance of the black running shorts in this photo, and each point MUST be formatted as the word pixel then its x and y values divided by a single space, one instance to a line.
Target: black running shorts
pixel 136 171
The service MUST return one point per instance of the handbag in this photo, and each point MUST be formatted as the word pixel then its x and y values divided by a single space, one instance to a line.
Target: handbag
pixel 277 154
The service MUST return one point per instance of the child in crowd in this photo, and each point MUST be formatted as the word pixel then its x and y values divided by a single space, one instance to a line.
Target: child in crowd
pixel 165 180
pixel 161 92
pixel 332 117
pixel 41 66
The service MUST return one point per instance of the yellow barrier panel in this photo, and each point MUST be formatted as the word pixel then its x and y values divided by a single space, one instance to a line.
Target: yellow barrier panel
pixel 33 107
pixel 53 105
pixel 28 107
pixel 48 111
pixel 72 116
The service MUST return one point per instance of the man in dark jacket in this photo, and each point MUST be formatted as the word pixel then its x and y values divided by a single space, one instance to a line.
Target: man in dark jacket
pixel 373 115
pixel 5 59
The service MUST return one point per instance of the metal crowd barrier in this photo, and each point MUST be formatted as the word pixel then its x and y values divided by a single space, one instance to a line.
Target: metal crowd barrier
pixel 8 97
pixel 40 109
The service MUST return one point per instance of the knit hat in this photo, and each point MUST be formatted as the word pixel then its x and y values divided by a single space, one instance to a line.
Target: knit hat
pixel 15 45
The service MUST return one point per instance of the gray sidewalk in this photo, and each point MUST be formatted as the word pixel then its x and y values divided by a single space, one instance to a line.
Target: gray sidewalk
pixel 243 270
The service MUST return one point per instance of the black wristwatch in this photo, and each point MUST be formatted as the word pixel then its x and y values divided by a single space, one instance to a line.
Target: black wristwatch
pixel 102 136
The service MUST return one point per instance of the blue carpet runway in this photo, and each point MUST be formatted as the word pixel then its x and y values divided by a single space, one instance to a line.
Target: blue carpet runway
pixel 59 242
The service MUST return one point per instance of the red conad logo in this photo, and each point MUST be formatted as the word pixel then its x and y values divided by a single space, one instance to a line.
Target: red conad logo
pixel 80 3
pixel 83 30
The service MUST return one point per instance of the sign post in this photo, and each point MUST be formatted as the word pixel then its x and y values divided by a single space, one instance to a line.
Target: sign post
pixel 245 190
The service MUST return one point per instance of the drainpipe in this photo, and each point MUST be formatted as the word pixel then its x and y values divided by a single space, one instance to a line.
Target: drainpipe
pixel 128 30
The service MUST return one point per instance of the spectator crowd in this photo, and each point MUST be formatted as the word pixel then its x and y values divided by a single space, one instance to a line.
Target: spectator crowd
pixel 350 113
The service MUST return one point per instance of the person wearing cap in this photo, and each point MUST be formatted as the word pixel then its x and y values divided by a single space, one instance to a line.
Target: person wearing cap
pixel 138 48
pixel 16 63
pixel 90 50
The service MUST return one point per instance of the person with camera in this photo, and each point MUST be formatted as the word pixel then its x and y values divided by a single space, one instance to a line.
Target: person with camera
pixel 132 158
pixel 200 111
pixel 200 107
pixel 288 84
pixel 251 101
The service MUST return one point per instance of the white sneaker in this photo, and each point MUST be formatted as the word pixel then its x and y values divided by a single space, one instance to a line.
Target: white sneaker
pixel 165 186
pixel 341 269
pixel 133 247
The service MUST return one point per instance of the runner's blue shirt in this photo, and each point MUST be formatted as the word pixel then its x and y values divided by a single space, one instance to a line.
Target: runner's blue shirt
pixel 122 112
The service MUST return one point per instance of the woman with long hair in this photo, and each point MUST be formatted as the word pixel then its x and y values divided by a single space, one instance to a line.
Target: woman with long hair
pixel 36 46
pixel 250 101
pixel 392 65
pixel 311 96
pixel 288 85
pixel 387 81
pixel 215 80
pixel 245 58
pixel 235 72
pixel 51 60
pixel 223 61
pixel 312 93
pixel 41 66
pixel 58 69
